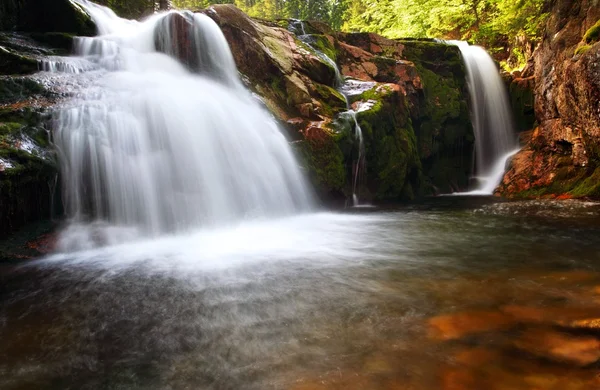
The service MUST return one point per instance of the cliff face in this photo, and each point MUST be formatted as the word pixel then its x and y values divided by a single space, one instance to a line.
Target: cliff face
pixel 562 154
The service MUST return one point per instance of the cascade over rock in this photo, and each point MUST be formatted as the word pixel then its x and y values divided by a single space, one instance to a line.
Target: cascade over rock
pixel 298 87
pixel 561 154
pixel 416 144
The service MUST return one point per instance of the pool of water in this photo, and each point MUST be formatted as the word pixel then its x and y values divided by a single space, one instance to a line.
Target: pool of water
pixel 453 293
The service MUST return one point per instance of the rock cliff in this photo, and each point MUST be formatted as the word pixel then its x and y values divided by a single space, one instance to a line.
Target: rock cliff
pixel 561 156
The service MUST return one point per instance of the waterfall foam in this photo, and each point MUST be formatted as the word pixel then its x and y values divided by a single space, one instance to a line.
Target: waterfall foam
pixel 495 138
pixel 158 147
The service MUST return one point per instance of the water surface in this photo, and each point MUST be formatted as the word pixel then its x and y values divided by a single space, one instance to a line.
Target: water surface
pixel 437 295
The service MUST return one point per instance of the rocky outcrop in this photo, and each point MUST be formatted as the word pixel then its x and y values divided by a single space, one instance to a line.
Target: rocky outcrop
pixel 45 16
pixel 412 138
pixel 562 154
pixel 28 172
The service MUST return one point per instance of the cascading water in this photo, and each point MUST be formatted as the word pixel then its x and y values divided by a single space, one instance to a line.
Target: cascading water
pixel 153 146
pixel 345 88
pixel 495 139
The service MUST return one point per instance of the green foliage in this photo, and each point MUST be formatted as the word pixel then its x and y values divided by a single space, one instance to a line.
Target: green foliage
pixel 583 49
pixel 593 34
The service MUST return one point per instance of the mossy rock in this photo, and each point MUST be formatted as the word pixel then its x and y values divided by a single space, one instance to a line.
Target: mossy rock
pixel 46 16
pixel 57 40
pixel 322 44
pixel 581 50
pixel 324 162
pixel 13 63
pixel 593 33
pixel 522 102
pixel 333 101
pixel 442 121
pixel 26 190
pixel 393 165
pixel 316 67
pixel 14 89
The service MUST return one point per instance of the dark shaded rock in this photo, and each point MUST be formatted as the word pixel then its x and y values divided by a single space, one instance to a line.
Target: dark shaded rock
pixel 441 116
pixel 45 16
pixel 522 102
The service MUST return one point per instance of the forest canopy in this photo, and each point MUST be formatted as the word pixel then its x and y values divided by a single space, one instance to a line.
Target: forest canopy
pixel 507 28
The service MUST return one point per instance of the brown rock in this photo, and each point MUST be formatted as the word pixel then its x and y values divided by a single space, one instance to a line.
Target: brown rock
pixel 567 103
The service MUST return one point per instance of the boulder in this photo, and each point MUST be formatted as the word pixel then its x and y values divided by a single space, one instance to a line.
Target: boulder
pixel 45 16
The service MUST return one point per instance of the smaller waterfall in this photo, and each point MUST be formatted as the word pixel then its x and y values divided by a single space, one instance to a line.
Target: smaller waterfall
pixel 495 138
pixel 358 166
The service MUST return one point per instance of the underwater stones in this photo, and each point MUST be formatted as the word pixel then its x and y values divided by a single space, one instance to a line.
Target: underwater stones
pixel 460 325
pixel 561 347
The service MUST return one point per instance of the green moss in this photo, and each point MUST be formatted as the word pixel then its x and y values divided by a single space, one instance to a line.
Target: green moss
pixel 582 49
pixel 333 101
pixel 323 160
pixel 14 89
pixel 393 166
pixel 13 63
pixel 590 186
pixel 321 43
pixel 522 103
pixel 593 33
pixel 442 122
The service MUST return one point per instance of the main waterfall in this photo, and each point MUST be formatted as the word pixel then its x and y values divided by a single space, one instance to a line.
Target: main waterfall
pixel 495 138
pixel 154 145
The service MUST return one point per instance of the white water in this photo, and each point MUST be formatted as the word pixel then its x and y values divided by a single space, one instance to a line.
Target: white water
pixel 346 88
pixel 495 138
pixel 150 147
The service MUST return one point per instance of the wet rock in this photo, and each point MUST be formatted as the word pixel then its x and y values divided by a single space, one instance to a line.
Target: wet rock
pixel 560 347
pixel 522 102
pixel 45 16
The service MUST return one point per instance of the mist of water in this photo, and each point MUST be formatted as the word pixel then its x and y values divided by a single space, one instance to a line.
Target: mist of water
pixel 158 145
pixel 495 138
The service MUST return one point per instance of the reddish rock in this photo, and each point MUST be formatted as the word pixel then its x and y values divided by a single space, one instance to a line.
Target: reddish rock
pixel 567 103
pixel 460 325
pixel 561 347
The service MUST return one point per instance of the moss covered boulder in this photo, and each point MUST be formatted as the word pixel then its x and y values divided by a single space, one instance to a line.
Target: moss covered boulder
pixel 45 16
pixel 28 172
pixel 441 117
pixel 522 102
pixel 393 167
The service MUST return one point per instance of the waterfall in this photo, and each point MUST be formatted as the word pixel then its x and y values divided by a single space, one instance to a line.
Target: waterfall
pixel 345 88
pixel 495 137
pixel 163 137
